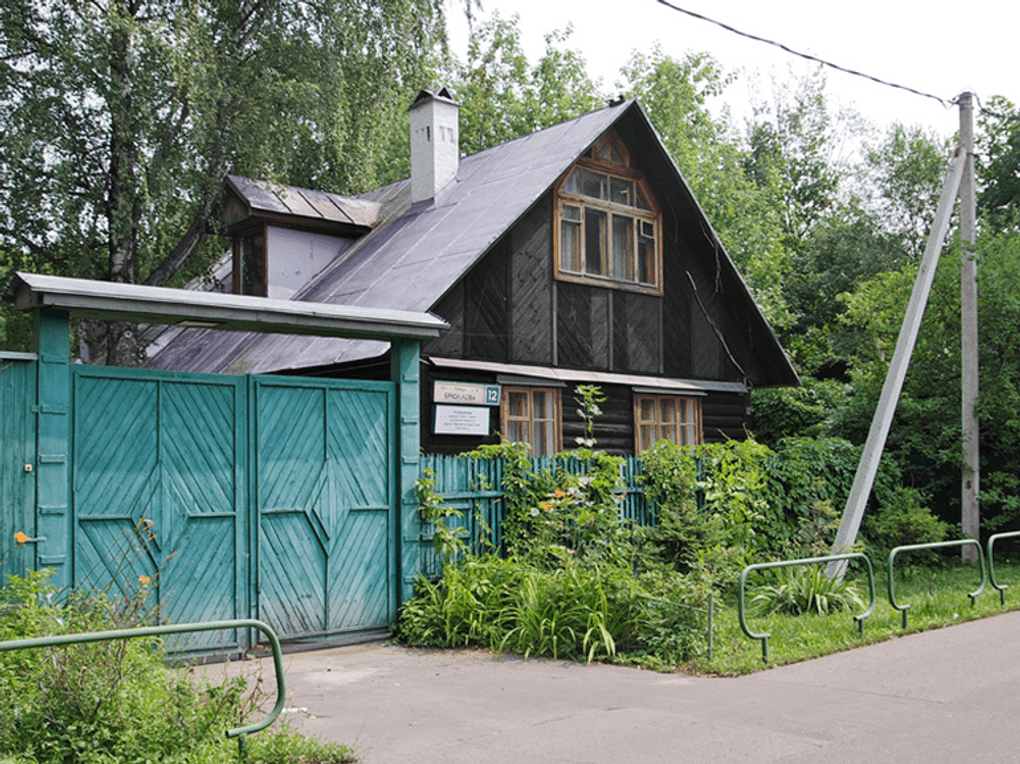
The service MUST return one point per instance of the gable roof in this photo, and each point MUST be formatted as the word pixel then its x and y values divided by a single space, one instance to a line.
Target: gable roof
pixel 417 252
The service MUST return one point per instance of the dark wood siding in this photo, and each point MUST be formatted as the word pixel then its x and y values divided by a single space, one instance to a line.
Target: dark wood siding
pixel 724 416
pixel 582 326
pixel 637 344
pixel 531 286
pixel 614 430
pixel 449 343
pixel 486 306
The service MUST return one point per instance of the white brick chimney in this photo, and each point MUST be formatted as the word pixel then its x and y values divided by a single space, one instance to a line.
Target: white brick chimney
pixel 434 143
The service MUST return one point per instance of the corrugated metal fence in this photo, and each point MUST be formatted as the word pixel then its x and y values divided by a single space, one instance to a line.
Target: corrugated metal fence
pixel 474 487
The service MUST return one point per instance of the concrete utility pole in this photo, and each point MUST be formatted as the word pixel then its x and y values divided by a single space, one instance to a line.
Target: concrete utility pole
pixel 875 444
pixel 970 483
pixel 960 177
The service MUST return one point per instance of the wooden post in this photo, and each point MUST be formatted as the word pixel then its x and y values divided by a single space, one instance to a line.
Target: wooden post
pixel 404 361
pixel 53 415
pixel 970 479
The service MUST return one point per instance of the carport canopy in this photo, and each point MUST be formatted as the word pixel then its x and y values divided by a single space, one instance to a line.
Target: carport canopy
pixel 105 300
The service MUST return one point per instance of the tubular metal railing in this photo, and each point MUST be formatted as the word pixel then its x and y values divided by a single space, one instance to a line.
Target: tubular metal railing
pixel 764 637
pixel 1001 588
pixel 240 733
pixel 935 545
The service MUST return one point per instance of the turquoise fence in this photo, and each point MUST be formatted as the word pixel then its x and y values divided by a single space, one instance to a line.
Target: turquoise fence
pixel 474 487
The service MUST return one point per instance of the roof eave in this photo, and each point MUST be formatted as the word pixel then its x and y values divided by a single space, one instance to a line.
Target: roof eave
pixel 157 305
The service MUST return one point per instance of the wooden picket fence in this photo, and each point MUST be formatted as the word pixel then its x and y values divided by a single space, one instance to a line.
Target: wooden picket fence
pixel 474 488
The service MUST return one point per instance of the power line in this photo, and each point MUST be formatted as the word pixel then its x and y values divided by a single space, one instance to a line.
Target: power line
pixel 808 56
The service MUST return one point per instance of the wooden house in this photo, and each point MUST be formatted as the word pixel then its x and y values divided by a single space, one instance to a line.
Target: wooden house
pixel 575 255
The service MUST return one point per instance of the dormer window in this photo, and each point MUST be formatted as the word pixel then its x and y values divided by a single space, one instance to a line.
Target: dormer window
pixel 609 226
pixel 250 263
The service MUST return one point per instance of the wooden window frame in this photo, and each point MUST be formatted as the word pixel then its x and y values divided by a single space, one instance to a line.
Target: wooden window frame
pixel 696 424
pixel 563 197
pixel 506 419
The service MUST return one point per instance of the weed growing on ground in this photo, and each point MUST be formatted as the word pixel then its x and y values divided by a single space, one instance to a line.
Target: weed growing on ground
pixel 117 701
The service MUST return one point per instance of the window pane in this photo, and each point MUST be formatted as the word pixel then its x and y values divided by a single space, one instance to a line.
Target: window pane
pixel 545 440
pixel 647 436
pixel 253 278
pixel 646 254
pixel 517 432
pixel 518 404
pixel 668 411
pixel 594 240
pixel 642 202
pixel 570 246
pixel 572 213
pixel 647 409
pixel 573 184
pixel 594 184
pixel 543 405
pixel 621 191
pixel 623 243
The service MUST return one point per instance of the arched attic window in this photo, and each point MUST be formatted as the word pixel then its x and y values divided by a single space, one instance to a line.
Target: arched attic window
pixel 609 224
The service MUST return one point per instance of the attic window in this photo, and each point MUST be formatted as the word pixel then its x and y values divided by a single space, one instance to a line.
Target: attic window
pixel 250 263
pixel 609 224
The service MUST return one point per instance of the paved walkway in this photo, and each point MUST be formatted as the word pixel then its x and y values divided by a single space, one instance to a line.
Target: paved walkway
pixel 951 695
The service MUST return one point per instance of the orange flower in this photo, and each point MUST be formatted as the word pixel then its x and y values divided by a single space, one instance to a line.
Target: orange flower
pixel 21 538
pixel 545 505
pixel 559 493
pixel 144 579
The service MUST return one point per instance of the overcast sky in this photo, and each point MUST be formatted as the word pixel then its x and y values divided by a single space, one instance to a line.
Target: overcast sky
pixel 935 48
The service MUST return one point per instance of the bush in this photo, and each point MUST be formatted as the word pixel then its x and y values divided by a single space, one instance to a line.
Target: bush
pixel 902 520
pixel 802 590
pixel 113 701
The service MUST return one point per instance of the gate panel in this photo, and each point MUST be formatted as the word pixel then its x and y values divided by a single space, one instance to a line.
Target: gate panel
pixel 156 469
pixel 324 497
pixel 17 449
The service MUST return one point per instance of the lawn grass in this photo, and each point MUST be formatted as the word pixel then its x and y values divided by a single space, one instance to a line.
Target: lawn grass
pixel 937 596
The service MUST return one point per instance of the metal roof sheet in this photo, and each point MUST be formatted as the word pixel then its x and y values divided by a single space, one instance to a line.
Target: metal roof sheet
pixel 264 196
pixel 416 253
pixel 159 305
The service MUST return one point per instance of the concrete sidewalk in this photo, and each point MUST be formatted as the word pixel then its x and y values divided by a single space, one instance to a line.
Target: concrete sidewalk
pixel 951 695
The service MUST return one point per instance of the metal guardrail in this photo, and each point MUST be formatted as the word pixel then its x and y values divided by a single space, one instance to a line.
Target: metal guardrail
pixel 155 631
pixel 764 637
pixel 934 545
pixel 1001 588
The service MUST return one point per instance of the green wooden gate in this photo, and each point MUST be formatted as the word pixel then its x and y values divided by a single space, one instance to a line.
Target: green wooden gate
pixel 234 497
pixel 157 475
pixel 325 504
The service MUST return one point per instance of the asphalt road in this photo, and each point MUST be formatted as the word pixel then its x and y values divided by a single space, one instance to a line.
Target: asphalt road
pixel 951 695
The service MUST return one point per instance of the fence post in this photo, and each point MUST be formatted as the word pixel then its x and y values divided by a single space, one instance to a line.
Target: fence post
pixel 53 441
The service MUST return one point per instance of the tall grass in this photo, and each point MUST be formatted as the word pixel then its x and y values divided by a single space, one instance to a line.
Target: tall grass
pixel 117 701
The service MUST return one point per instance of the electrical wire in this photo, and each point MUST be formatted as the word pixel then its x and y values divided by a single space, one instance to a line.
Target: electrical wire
pixel 947 103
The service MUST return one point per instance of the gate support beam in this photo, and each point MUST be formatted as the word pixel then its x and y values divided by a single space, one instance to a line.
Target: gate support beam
pixel 53 414
pixel 404 370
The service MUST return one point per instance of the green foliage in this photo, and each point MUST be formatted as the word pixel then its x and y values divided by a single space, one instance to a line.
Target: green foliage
pixel 448 540
pixel 569 611
pixel 806 589
pixel 588 398
pixel 503 96
pixel 116 700
pixel 804 411
pixel 121 119
pixel 901 520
